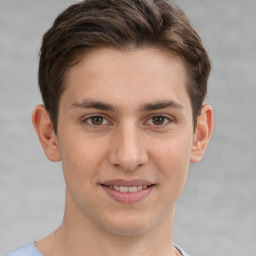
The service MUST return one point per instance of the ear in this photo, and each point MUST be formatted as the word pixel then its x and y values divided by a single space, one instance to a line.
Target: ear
pixel 202 133
pixel 46 135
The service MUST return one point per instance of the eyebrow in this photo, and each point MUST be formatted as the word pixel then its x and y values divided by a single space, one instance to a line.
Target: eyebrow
pixel 93 104
pixel 161 104
pixel 88 104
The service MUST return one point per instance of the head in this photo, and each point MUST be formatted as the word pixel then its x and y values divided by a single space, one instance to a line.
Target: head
pixel 123 84
pixel 123 25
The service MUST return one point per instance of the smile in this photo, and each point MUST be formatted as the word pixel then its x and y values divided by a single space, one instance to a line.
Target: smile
pixel 124 189
pixel 128 192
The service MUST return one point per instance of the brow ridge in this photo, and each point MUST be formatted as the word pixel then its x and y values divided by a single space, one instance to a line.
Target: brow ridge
pixel 88 104
pixel 161 105
pixel 93 104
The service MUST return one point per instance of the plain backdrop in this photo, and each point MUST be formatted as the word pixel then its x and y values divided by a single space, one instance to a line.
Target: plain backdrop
pixel 216 214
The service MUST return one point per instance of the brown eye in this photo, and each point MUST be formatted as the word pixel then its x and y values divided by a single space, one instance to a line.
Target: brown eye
pixel 158 120
pixel 97 120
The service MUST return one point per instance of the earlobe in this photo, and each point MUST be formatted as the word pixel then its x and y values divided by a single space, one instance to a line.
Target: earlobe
pixel 46 135
pixel 202 133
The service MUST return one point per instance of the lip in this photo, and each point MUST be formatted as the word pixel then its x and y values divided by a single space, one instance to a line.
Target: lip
pixel 127 183
pixel 127 197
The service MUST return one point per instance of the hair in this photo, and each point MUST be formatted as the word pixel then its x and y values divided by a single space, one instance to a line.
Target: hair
pixel 123 25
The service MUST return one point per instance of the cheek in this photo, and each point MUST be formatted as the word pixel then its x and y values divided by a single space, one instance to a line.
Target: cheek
pixel 80 159
pixel 172 161
pixel 174 152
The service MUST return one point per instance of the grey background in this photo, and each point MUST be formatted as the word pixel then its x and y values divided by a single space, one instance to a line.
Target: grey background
pixel 216 214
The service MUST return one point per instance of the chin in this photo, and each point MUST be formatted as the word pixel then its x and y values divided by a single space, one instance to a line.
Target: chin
pixel 129 226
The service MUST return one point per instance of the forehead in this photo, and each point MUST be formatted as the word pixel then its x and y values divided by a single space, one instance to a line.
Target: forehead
pixel 132 77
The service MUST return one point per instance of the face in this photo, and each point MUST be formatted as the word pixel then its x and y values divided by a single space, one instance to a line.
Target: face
pixel 125 138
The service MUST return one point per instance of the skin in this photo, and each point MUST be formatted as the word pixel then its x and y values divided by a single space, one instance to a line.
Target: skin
pixel 143 129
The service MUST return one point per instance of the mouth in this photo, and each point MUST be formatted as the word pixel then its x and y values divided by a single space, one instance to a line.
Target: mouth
pixel 126 189
pixel 128 192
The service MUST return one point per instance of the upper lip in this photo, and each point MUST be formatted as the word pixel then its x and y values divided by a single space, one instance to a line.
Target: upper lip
pixel 127 183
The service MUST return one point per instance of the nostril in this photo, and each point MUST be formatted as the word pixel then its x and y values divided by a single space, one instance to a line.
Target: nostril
pixel 128 153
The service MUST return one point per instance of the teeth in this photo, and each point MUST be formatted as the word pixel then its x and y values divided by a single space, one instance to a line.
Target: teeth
pixel 133 189
pixel 117 188
pixel 124 189
pixel 139 188
pixel 128 189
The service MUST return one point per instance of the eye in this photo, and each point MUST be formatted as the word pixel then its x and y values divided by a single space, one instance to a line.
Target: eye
pixel 159 120
pixel 96 120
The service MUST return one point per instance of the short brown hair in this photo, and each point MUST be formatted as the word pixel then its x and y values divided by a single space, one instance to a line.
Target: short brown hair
pixel 124 25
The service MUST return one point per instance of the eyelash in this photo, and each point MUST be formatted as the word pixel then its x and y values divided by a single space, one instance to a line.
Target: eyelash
pixel 88 120
pixel 167 119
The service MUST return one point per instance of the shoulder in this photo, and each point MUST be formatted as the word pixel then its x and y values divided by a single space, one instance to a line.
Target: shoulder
pixel 28 250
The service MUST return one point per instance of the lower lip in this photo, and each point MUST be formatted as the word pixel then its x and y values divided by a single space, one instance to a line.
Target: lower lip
pixel 128 197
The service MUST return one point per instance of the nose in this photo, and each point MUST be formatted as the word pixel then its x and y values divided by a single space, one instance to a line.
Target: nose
pixel 128 150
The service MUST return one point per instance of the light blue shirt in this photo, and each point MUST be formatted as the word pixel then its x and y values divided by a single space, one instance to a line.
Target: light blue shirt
pixel 28 250
pixel 31 250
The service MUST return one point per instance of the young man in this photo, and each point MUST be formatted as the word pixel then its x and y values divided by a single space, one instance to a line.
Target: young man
pixel 123 84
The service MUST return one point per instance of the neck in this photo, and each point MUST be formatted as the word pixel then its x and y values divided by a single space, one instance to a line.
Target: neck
pixel 78 235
